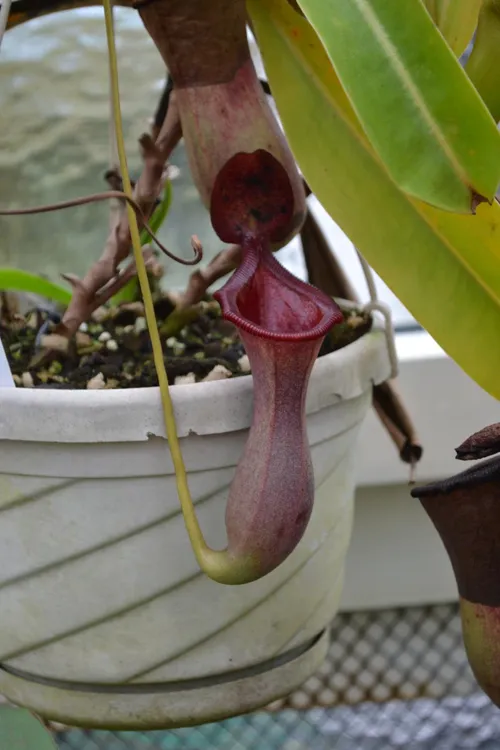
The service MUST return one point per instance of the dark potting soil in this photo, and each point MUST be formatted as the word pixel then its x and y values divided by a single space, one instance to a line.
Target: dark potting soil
pixel 113 349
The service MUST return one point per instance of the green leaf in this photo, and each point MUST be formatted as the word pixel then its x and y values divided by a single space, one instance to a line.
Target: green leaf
pixel 456 20
pixel 445 268
pixel 20 730
pixel 159 214
pixel 416 104
pixel 483 65
pixel 15 280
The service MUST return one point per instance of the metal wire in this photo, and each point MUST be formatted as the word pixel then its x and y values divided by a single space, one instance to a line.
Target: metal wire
pixel 382 308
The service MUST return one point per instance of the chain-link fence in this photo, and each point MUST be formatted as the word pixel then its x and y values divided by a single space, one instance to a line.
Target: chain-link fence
pixel 393 679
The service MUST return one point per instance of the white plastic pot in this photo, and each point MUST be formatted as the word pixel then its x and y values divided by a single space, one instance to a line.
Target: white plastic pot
pixel 105 617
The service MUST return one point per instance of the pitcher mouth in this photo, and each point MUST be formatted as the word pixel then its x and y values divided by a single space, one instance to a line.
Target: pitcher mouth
pixel 252 205
pixel 262 298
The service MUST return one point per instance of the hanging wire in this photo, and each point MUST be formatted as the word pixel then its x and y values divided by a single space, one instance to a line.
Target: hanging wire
pixel 383 309
pixel 369 278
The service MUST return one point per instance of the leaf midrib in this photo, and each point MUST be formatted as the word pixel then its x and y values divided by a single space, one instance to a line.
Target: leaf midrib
pixel 323 89
pixel 409 85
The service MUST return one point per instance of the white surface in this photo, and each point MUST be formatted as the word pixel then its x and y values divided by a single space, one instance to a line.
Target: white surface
pixel 159 709
pixel 446 407
pixel 396 556
pixel 203 408
pixel 6 380
pixel 98 582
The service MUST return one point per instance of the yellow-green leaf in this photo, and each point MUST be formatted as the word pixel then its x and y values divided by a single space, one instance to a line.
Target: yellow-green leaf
pixel 416 104
pixel 483 66
pixel 456 20
pixel 424 255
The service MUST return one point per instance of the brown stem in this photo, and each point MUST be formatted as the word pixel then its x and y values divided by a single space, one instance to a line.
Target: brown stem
pixel 103 279
pixel 88 303
pixel 325 272
pixel 323 269
pixel 162 108
pixel 117 247
pixel 201 279
pixel 394 416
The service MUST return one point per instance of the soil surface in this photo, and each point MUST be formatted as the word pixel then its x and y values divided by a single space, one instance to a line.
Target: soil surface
pixel 113 349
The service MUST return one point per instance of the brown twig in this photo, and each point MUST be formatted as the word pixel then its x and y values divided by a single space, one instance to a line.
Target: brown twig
pixel 325 272
pixel 90 303
pixel 103 276
pixel 117 247
pixel 146 190
pixel 395 417
pixel 162 108
pixel 201 279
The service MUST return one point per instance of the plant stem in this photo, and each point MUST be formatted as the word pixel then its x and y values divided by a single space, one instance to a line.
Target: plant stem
pixel 210 561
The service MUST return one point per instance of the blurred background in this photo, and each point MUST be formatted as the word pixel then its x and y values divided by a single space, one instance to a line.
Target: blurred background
pixel 397 675
pixel 55 143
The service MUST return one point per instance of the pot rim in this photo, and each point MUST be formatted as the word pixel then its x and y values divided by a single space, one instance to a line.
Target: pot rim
pixel 135 414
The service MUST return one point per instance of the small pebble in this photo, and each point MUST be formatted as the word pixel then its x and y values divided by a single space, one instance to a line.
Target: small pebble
pixel 140 325
pixel 218 373
pixel 55 342
pixel 133 307
pixel 100 314
pixel 96 383
pixel 105 336
pixel 27 380
pixel 199 355
pixel 244 363
pixel 128 329
pixel 185 379
pixel 177 346
pixel 82 339
pixel 111 345
pixel 83 327
pixel 17 380
pixel 32 321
